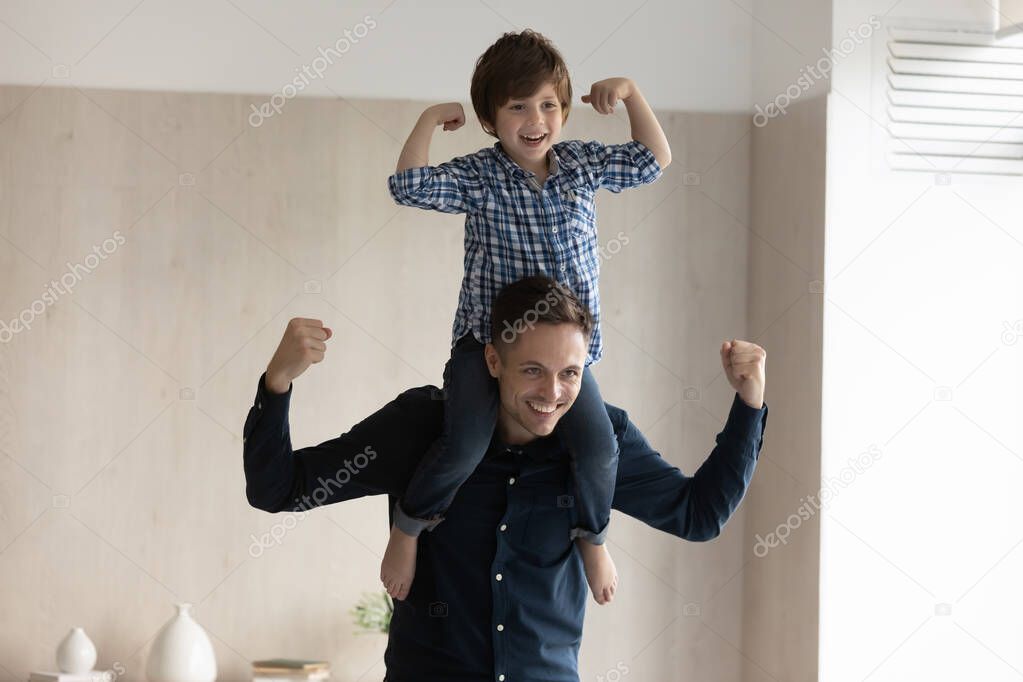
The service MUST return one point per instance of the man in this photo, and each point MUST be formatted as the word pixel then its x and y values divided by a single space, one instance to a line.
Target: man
pixel 500 592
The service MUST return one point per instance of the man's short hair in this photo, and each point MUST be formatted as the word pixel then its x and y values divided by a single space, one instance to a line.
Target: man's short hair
pixel 517 65
pixel 535 300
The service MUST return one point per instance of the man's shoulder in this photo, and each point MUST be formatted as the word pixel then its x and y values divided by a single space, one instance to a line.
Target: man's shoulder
pixel 423 404
pixel 619 418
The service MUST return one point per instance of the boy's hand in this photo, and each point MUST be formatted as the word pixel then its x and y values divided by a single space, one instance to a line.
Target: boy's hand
pixel 744 365
pixel 416 152
pixel 450 115
pixel 604 94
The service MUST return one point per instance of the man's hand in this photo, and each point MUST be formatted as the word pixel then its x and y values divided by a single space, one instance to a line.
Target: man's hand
pixel 303 343
pixel 744 364
pixel 604 94
pixel 450 115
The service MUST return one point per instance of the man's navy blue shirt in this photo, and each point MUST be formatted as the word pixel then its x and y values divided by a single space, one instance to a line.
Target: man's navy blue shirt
pixel 499 592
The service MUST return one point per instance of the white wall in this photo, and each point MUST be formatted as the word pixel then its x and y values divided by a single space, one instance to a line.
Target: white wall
pixel 689 56
pixel 921 553
pixel 788 35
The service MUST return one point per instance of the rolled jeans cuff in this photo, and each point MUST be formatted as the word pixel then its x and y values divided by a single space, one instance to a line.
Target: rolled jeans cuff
pixel 410 525
pixel 589 536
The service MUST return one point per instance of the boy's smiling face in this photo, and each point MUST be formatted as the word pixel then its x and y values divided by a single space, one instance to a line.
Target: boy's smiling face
pixel 529 126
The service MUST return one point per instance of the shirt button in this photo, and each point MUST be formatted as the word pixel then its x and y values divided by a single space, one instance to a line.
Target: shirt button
pixel 500 628
pixel 511 481
pixel 500 678
pixel 499 577
pixel 504 527
pixel 554 230
pixel 562 268
pixel 259 405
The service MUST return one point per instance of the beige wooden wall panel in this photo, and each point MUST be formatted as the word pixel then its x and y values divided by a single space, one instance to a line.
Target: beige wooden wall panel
pixel 121 408
pixel 780 606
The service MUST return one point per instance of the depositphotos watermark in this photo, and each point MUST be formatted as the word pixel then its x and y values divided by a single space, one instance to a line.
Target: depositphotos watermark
pixel 320 494
pixel 528 320
pixel 312 71
pixel 613 246
pixel 116 670
pixel 531 316
pixel 614 674
pixel 814 503
pixel 1012 332
pixel 65 285
pixel 811 73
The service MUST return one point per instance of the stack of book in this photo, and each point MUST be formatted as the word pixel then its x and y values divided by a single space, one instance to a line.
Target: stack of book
pixel 91 676
pixel 289 670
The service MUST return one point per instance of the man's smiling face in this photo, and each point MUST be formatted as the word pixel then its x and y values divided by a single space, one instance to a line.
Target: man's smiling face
pixel 539 375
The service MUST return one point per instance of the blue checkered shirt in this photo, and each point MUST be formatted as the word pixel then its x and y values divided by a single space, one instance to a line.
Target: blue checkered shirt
pixel 514 228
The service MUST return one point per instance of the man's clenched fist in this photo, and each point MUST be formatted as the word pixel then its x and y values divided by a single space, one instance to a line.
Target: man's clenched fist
pixel 303 343
pixel 744 365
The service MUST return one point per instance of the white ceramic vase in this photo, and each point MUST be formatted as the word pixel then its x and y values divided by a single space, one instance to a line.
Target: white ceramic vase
pixel 76 653
pixel 182 651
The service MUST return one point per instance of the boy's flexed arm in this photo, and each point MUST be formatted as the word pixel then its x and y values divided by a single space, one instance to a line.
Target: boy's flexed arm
pixel 452 187
pixel 645 127
pixel 416 152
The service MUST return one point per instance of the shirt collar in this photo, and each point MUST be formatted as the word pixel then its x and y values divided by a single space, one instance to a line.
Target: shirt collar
pixel 540 449
pixel 520 172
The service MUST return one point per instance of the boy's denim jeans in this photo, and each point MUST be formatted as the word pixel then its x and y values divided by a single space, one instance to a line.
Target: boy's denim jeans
pixel 470 415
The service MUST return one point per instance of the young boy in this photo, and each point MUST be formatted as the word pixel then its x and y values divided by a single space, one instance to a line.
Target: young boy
pixel 529 205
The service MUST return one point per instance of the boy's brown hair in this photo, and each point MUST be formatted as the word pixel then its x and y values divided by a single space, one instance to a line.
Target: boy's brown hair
pixel 517 65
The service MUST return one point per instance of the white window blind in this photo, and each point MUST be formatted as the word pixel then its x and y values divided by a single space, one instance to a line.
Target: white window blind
pixel 955 102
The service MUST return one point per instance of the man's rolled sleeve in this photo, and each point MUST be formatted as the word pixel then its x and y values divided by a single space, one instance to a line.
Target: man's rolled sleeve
pixel 455 186
pixel 620 166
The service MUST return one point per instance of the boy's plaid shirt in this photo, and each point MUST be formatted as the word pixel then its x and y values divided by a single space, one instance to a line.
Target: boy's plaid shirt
pixel 514 229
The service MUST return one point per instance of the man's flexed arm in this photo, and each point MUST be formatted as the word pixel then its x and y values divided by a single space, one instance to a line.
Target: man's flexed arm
pixel 377 456
pixel 697 507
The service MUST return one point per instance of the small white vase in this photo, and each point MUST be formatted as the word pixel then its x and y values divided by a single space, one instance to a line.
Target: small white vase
pixel 76 653
pixel 181 652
